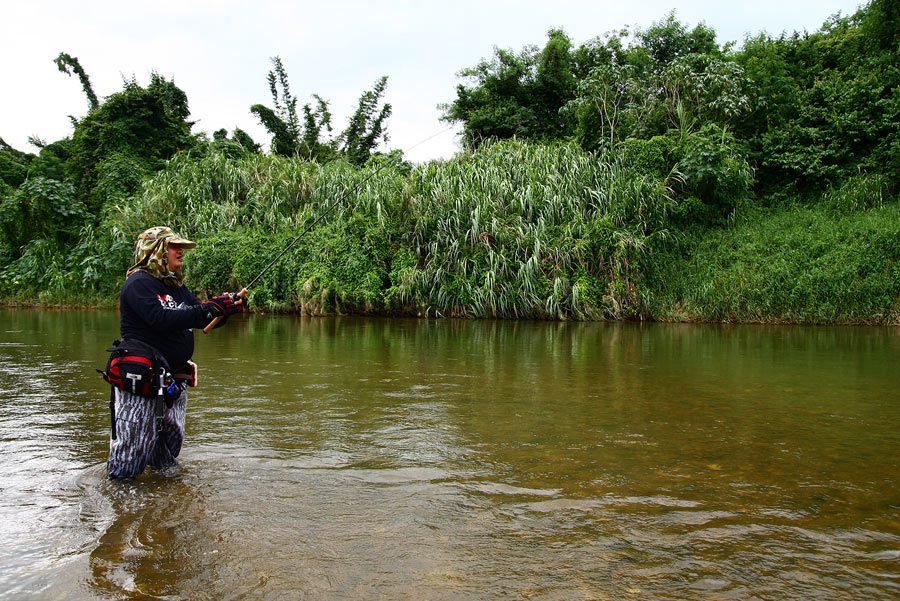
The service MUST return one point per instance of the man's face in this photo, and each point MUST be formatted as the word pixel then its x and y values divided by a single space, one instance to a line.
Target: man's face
pixel 174 256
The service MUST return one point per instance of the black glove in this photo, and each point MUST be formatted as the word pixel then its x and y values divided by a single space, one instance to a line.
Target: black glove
pixel 223 305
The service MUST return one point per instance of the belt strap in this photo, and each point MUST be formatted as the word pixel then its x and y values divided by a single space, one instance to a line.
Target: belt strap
pixel 112 412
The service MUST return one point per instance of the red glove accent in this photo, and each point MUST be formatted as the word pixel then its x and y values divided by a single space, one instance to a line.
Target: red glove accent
pixel 223 305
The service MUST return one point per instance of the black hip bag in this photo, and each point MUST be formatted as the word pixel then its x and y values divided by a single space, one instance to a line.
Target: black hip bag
pixel 136 367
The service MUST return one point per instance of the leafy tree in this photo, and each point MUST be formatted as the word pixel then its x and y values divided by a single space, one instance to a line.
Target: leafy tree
pixel 554 84
pixel 366 126
pixel 14 165
pixel 611 103
pixel 311 138
pixel 709 88
pixel 51 160
pixel 119 176
pixel 244 139
pixel 240 144
pixel 882 25
pixel 496 104
pixel 290 136
pixel 825 105
pixel 40 209
pixel 281 121
pixel 670 39
pixel 669 79
pixel 517 94
pixel 714 175
pixel 314 143
pixel 600 51
pixel 173 98
pixel 616 96
pixel 600 92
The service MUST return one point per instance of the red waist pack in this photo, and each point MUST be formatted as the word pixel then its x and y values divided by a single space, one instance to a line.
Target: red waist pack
pixel 136 367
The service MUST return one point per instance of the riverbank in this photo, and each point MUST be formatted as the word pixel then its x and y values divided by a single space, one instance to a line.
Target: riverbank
pixel 789 265
pixel 513 231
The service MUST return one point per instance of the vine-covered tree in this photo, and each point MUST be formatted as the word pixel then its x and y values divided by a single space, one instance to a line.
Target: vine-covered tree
pixel 129 136
pixel 14 166
pixel 245 140
pixel 69 64
pixel 240 141
pixel 51 160
pixel 40 208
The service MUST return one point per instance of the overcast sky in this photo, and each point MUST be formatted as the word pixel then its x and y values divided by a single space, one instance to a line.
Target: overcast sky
pixel 219 52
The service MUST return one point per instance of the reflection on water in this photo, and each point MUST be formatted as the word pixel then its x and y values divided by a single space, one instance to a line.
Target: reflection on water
pixel 409 459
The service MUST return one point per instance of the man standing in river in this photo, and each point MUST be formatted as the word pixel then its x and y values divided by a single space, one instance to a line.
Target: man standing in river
pixel 157 317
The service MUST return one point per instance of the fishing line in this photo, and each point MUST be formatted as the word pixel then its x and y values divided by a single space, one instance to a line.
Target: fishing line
pixel 340 199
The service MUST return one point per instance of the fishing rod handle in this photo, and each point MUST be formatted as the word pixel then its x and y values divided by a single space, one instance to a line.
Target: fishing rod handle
pixel 213 323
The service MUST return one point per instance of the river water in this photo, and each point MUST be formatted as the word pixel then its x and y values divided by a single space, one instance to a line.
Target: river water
pixel 351 458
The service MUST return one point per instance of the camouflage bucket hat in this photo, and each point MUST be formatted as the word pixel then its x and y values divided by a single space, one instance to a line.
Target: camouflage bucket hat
pixel 151 254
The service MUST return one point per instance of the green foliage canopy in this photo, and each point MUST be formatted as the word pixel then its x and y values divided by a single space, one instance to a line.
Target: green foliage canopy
pixel 516 94
pixel 138 127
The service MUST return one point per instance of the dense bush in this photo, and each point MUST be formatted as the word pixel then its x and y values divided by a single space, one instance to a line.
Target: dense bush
pixel 132 133
pixel 14 166
pixel 40 209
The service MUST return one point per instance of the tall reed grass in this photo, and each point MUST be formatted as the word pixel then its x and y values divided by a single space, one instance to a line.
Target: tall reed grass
pixel 511 230
pixel 535 231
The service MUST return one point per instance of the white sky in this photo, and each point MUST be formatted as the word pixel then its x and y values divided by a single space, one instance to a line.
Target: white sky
pixel 219 52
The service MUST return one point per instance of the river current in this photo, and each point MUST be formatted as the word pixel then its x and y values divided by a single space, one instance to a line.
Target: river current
pixel 353 458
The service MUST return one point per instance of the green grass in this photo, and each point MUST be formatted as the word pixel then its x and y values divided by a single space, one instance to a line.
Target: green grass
pixel 798 264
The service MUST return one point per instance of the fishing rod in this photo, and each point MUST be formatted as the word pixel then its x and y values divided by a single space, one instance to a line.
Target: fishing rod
pixel 243 293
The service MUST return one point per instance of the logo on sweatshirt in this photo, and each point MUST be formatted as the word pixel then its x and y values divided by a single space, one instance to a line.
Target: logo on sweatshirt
pixel 168 302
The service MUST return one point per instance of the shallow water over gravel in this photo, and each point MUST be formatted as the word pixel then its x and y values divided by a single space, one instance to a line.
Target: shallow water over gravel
pixel 350 458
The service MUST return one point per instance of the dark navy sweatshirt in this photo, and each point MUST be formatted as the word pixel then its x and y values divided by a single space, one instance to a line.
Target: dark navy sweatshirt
pixel 162 316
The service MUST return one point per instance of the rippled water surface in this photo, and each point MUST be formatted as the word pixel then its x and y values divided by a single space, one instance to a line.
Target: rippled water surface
pixel 410 459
